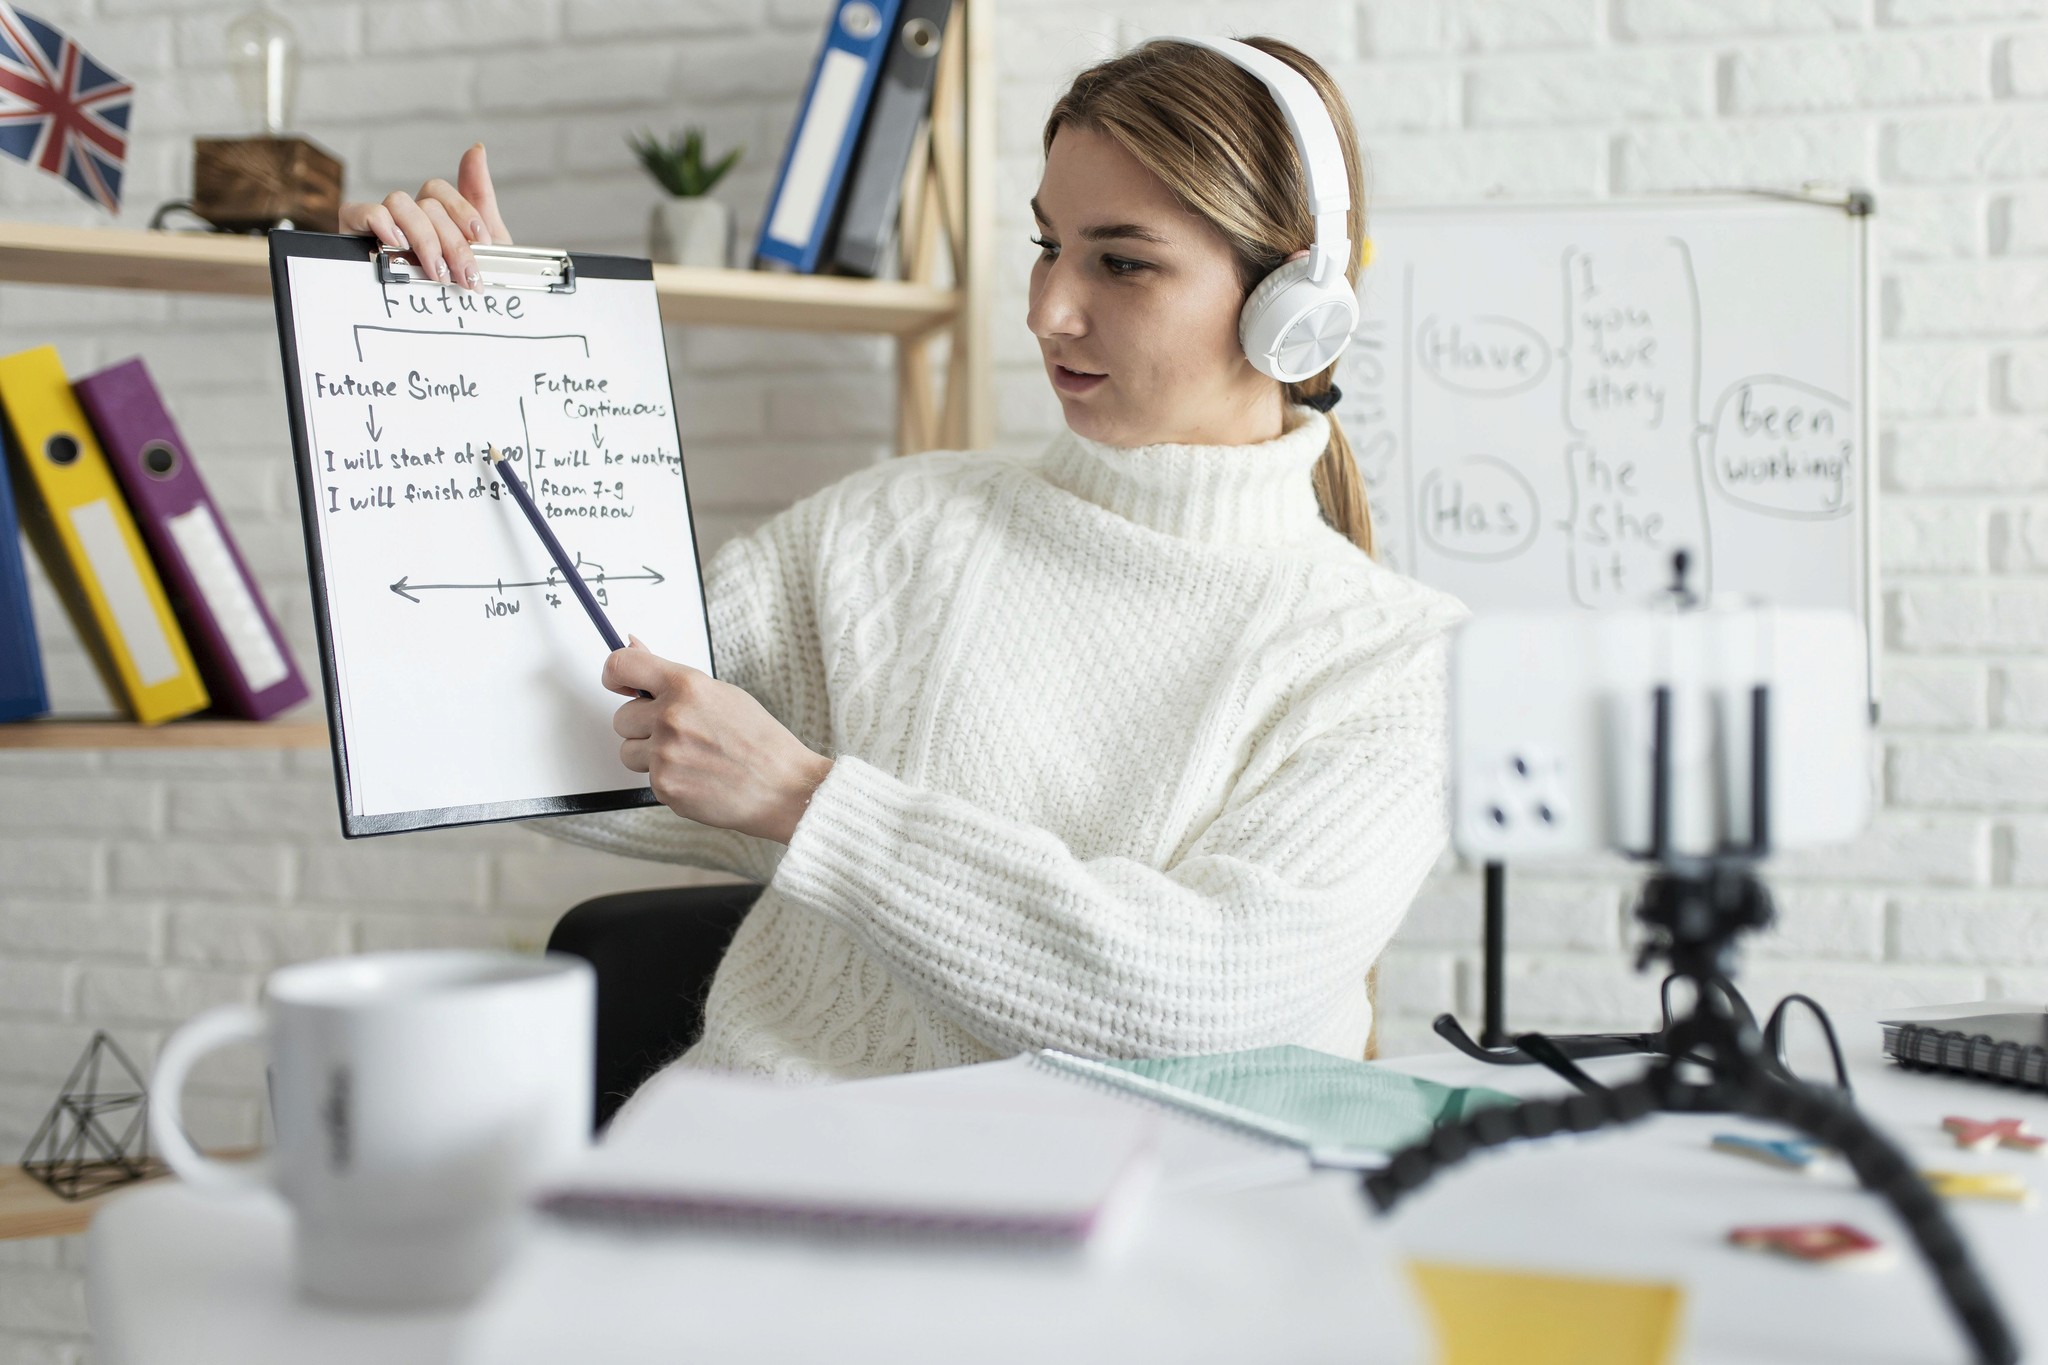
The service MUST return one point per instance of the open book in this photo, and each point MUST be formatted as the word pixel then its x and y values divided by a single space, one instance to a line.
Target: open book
pixel 1336 1111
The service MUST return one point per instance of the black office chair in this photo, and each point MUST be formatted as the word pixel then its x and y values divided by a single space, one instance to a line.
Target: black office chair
pixel 654 952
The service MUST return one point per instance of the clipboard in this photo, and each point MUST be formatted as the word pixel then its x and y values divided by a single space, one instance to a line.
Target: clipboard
pixel 464 690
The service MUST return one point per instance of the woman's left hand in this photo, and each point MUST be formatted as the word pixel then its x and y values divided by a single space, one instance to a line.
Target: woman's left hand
pixel 713 753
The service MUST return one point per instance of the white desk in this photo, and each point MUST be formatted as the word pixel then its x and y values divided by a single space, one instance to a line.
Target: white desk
pixel 1292 1272
pixel 1652 1202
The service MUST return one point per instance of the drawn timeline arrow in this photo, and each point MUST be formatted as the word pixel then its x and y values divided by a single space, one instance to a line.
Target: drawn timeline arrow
pixel 405 588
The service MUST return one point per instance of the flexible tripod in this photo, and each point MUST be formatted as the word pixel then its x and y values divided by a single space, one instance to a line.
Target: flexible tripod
pixel 1694 908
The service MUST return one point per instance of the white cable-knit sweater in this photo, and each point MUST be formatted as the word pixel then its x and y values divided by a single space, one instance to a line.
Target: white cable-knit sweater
pixel 1134 756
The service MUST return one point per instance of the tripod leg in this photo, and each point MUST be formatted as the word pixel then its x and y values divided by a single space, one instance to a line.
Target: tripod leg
pixel 1558 1060
pixel 1413 1167
pixel 1884 1171
pixel 1493 1029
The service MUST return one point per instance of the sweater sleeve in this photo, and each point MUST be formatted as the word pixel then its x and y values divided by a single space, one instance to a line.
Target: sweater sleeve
pixel 1256 934
pixel 760 599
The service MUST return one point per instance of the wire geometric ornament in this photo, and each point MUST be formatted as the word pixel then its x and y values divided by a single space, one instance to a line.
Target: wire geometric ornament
pixel 76 1151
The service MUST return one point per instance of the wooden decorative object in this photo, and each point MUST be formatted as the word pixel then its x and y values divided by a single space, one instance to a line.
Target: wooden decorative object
pixel 245 184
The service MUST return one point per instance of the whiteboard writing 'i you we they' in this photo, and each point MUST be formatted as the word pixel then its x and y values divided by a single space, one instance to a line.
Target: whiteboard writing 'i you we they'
pixel 1547 401
pixel 462 675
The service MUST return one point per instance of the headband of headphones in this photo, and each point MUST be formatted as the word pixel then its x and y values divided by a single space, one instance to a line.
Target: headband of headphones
pixel 1315 136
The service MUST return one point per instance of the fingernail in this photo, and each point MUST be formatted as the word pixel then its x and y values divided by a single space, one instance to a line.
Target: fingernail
pixel 469 277
pixel 476 230
pixel 441 269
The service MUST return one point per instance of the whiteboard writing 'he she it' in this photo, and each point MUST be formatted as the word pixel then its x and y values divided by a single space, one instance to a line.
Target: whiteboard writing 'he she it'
pixel 466 675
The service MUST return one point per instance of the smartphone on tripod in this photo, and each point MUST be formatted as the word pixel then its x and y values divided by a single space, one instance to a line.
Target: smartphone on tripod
pixel 1552 730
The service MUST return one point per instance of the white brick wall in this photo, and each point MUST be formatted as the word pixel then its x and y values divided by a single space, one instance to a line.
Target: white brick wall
pixel 136 888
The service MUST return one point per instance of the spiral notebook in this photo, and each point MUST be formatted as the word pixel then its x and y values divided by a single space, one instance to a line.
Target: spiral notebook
pixel 2001 1040
pixel 706 1150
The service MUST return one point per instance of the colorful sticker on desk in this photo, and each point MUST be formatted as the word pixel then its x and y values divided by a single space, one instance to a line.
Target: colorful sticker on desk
pixel 1977 1135
pixel 2002 1186
pixel 1828 1243
pixel 1484 1315
pixel 1787 1154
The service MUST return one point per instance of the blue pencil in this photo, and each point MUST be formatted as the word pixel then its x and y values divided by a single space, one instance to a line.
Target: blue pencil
pixel 503 468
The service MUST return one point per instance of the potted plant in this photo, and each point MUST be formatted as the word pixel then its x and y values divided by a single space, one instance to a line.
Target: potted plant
pixel 689 227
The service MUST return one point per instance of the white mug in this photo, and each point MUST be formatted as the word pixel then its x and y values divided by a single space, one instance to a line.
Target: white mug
pixel 416 1097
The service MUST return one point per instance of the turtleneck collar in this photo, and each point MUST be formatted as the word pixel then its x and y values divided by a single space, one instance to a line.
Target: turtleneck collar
pixel 1257 494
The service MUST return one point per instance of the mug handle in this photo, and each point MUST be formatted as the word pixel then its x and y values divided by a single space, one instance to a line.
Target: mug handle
pixel 215 1028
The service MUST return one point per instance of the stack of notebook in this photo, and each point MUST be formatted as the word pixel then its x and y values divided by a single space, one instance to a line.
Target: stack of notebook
pixel 107 492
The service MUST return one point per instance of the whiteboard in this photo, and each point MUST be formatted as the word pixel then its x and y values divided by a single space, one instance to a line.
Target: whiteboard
pixel 461 675
pixel 1545 401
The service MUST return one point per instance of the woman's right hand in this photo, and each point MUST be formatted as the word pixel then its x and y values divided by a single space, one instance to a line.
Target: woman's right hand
pixel 439 224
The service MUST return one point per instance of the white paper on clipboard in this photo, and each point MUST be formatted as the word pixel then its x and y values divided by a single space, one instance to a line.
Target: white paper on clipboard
pixel 463 675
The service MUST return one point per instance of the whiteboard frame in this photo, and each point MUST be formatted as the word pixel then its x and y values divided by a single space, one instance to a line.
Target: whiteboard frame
pixel 1861 207
pixel 286 246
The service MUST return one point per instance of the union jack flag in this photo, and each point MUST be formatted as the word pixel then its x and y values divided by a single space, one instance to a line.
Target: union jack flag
pixel 61 111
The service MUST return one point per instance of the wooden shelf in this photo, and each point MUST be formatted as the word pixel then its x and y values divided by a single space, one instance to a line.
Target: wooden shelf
pixel 112 732
pixel 807 303
pixel 28 1208
pixel 205 263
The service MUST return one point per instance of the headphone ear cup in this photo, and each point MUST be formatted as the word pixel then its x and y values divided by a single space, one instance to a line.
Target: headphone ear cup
pixel 1291 327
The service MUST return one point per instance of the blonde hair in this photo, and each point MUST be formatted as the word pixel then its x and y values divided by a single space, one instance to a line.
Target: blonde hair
pixel 1210 130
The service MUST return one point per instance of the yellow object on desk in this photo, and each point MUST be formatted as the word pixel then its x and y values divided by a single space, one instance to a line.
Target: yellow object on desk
pixel 1484 1316
pixel 2002 1186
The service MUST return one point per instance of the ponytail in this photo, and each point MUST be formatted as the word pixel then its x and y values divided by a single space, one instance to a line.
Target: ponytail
pixel 1339 490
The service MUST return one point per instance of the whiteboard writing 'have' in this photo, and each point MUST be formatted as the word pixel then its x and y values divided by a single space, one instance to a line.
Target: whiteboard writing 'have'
pixel 464 676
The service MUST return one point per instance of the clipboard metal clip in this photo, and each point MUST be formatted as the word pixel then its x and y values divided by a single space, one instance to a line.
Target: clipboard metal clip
pixel 507 267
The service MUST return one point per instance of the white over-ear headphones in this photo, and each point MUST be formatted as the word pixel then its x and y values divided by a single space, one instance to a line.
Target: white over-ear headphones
pixel 1300 318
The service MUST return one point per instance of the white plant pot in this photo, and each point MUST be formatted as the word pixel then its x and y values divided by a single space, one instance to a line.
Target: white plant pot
pixel 694 231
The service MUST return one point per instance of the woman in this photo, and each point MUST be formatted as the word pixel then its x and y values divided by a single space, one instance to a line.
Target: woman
pixel 1127 747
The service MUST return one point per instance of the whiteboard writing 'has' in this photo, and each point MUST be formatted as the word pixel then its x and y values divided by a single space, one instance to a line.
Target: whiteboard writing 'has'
pixel 465 677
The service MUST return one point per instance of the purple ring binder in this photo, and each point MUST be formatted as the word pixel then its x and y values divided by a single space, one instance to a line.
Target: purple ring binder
pixel 241 654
